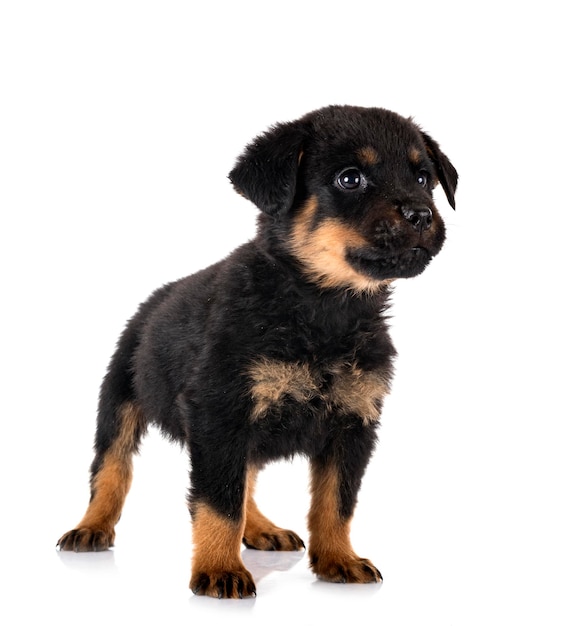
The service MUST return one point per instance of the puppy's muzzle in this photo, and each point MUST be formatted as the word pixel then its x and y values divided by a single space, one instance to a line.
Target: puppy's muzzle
pixel 419 217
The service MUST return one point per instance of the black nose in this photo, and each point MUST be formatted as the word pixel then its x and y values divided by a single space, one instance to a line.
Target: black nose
pixel 420 217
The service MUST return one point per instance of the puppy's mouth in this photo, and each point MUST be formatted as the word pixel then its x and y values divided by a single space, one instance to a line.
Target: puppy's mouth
pixel 380 265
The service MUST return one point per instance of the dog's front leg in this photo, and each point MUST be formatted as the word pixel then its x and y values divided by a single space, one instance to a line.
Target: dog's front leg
pixel 217 508
pixel 218 570
pixel 334 486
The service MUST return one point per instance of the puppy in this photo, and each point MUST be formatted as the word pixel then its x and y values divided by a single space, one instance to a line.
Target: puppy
pixel 279 349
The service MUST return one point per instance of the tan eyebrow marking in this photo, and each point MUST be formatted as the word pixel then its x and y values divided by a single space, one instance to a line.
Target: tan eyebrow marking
pixel 414 155
pixel 368 155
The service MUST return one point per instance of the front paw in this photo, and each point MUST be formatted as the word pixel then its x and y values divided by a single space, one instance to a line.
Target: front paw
pixel 87 540
pixel 345 569
pixel 223 584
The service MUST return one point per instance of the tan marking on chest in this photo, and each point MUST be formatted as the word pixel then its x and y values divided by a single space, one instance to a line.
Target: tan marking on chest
pixel 343 388
pixel 273 380
pixel 357 391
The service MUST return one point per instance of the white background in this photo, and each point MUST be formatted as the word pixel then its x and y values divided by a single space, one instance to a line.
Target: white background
pixel 119 122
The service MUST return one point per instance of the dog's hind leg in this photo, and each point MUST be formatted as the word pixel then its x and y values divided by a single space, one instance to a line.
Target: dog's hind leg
pixel 111 475
pixel 260 533
pixel 120 427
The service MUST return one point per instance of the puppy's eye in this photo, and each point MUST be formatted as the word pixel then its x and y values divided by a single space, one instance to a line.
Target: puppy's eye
pixel 350 179
pixel 422 179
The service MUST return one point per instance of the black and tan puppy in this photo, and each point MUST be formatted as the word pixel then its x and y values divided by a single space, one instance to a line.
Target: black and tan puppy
pixel 281 348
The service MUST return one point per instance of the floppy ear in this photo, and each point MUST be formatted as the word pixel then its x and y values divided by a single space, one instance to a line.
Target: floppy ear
pixel 445 171
pixel 266 173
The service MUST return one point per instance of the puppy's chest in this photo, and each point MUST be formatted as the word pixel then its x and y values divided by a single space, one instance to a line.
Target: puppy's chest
pixel 338 387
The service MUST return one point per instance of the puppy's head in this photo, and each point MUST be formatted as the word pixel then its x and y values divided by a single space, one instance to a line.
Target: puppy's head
pixel 347 191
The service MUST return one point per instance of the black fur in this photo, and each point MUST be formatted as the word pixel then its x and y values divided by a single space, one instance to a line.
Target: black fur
pixel 185 359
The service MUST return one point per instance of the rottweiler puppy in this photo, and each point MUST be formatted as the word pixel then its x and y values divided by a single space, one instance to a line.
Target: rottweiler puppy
pixel 280 349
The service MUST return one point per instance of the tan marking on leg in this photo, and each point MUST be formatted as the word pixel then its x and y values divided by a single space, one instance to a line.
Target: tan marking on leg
pixel 329 533
pixel 217 568
pixel 217 540
pixel 112 482
pixel 261 533
pixel 322 250
pixel 273 380
pixel 255 522
pixel 331 553
pixel 109 487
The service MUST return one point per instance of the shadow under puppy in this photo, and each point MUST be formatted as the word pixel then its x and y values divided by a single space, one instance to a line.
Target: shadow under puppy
pixel 281 348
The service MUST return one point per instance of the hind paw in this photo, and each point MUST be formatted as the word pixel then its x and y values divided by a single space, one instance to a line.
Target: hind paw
pixel 86 540
pixel 273 539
